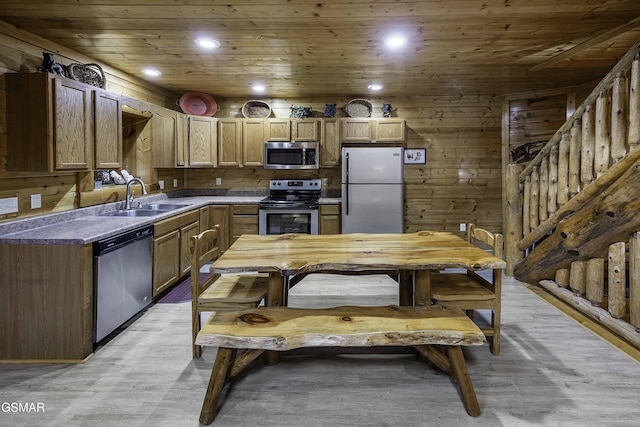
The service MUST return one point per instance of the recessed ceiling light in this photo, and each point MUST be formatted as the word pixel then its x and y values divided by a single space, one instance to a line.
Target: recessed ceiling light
pixel 395 41
pixel 375 87
pixel 151 72
pixel 208 43
pixel 258 88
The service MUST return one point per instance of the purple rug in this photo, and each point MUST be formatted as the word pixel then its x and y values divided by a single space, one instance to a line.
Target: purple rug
pixel 180 292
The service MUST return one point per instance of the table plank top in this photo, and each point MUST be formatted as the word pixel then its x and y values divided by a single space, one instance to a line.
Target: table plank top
pixel 293 254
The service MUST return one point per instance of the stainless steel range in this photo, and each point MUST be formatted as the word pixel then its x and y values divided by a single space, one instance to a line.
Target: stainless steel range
pixel 291 207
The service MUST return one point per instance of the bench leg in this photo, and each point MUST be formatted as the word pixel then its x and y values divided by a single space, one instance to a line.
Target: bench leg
pixel 275 298
pixel 461 376
pixel 218 378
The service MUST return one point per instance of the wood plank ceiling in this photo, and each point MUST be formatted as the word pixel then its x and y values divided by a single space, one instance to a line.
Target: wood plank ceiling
pixel 299 48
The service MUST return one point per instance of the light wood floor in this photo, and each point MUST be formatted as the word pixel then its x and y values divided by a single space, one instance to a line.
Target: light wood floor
pixel 552 371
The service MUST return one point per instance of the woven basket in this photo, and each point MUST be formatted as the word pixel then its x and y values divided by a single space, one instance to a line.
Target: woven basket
pixel 88 73
pixel 359 108
pixel 256 109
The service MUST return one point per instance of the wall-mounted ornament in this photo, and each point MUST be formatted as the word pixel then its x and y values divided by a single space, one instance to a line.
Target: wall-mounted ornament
pixel 299 112
pixel 415 156
pixel 330 110
pixel 386 110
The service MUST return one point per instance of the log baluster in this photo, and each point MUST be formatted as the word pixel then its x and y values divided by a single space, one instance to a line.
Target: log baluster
pixel 562 170
pixel 562 277
pixel 543 200
pixel 619 120
pixel 578 277
pixel 595 281
pixel 553 191
pixel 634 280
pixel 617 280
pixel 535 197
pixel 633 137
pixel 526 206
pixel 588 146
pixel 603 134
pixel 575 147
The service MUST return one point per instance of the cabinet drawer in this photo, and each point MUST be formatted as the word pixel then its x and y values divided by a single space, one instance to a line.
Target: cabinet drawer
pixel 175 222
pixel 329 209
pixel 245 209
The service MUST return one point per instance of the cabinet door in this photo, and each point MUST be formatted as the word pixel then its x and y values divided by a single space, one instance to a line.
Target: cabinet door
pixel 356 130
pixel 163 137
pixel 330 143
pixel 252 142
pixel 108 130
pixel 277 129
pixel 202 142
pixel 73 125
pixel 244 220
pixel 219 215
pixel 329 219
pixel 166 261
pixel 229 142
pixel 305 130
pixel 389 130
pixel 186 233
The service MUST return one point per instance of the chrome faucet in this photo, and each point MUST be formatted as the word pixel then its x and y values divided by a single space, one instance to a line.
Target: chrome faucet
pixel 130 194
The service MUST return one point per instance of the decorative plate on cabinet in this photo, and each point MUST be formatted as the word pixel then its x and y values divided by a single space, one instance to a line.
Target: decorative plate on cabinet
pixel 359 108
pixel 198 104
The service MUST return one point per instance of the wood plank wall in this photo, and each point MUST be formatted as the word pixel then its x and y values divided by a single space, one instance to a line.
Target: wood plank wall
pixel 461 181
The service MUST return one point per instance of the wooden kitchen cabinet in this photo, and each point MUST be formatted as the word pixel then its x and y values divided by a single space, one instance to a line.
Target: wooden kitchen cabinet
pixel 220 215
pixel 171 256
pixel 329 217
pixel 202 141
pixel 50 124
pixel 46 302
pixel 230 142
pixel 244 220
pixel 253 139
pixel 277 129
pixel 373 130
pixel 305 130
pixel 164 135
pixel 330 143
pixel 108 129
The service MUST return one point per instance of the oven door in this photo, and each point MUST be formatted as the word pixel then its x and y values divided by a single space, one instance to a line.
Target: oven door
pixel 284 220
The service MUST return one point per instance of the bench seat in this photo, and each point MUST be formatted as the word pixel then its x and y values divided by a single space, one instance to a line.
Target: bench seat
pixel 437 333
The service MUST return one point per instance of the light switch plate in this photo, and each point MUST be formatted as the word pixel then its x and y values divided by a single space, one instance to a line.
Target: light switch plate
pixel 161 184
pixel 218 181
pixel 175 182
pixel 36 201
pixel 8 205
pixel 463 227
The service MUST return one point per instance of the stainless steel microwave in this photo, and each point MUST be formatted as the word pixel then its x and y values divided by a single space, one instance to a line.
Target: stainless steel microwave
pixel 291 155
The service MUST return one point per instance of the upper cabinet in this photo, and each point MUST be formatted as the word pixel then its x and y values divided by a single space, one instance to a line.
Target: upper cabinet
pixel 108 129
pixel 330 143
pixel 202 141
pixel 164 135
pixel 50 123
pixel 253 139
pixel 303 130
pixel 230 142
pixel 277 129
pixel 373 130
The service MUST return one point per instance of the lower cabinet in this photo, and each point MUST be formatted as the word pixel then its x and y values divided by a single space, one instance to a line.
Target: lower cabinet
pixel 244 220
pixel 171 254
pixel 329 219
pixel 219 215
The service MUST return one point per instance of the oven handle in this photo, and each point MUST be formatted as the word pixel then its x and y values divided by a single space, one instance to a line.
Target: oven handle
pixel 346 187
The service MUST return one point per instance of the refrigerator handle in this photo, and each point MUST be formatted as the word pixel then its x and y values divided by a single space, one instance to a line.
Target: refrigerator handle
pixel 346 187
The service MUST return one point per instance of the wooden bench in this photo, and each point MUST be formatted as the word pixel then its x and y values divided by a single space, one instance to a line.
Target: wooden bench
pixel 281 328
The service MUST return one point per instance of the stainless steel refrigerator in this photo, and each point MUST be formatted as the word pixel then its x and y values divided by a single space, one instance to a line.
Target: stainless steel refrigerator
pixel 372 190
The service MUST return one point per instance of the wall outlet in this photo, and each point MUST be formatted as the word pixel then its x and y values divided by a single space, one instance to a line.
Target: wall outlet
pixel 8 205
pixel 218 181
pixel 36 201
pixel 161 184
pixel 175 182
pixel 463 227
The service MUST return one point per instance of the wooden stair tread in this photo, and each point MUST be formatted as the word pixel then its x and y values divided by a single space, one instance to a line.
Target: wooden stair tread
pixel 236 289
pixel 282 328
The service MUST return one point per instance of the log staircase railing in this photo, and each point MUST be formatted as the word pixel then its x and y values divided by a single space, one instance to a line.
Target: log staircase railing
pixel 574 210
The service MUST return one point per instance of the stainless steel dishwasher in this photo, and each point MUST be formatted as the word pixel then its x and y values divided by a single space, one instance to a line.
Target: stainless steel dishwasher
pixel 122 279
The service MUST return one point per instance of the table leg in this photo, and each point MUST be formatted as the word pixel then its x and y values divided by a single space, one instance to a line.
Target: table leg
pixel 461 375
pixel 219 375
pixel 422 295
pixel 406 288
pixel 274 299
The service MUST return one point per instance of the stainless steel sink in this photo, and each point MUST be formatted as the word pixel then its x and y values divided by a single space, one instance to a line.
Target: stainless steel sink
pixel 162 207
pixel 134 212
pixel 147 210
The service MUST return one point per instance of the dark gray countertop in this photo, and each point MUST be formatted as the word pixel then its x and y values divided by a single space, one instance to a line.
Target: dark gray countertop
pixel 83 226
